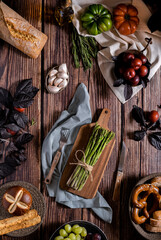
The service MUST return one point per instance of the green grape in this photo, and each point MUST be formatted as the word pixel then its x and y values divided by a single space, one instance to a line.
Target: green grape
pixel 78 237
pixel 75 226
pixel 68 228
pixel 58 238
pixel 67 238
pixel 84 232
pixel 77 230
pixel 63 233
pixel 72 236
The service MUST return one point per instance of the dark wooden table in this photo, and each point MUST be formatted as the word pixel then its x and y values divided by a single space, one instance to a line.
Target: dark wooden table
pixel 142 159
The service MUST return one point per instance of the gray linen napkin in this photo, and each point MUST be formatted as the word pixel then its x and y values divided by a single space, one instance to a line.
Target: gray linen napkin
pixel 78 114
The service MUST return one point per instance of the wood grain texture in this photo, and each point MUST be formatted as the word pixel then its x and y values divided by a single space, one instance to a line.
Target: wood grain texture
pixel 142 157
pixel 15 66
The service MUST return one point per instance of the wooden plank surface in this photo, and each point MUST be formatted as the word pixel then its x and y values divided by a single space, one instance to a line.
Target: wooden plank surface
pixel 15 66
pixel 142 158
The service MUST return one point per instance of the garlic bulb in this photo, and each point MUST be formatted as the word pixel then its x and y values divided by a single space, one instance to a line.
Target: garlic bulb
pixel 63 84
pixel 53 89
pixel 57 79
pixel 63 68
pixel 51 80
pixel 53 72
pixel 62 75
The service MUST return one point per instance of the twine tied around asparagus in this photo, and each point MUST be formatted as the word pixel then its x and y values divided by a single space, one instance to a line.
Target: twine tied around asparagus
pixel 83 163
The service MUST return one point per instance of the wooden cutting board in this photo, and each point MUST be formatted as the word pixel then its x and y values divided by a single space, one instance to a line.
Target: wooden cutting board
pixel 90 188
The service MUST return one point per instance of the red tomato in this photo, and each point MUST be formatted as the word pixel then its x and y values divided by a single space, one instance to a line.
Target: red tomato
pixel 153 116
pixel 19 109
pixel 11 132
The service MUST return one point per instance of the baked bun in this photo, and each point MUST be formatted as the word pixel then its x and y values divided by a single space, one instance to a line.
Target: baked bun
pixel 17 200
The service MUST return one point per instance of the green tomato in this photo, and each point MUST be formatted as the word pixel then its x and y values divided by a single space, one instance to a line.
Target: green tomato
pixel 106 16
pixel 100 8
pixel 92 29
pixel 58 238
pixel 84 232
pixel 72 236
pixel 105 24
pixel 68 228
pixel 93 9
pixel 104 11
pixel 63 233
pixel 87 17
pixel 86 24
pixel 78 237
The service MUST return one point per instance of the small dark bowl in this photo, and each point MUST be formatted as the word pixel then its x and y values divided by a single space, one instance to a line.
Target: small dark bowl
pixel 90 227
pixel 140 228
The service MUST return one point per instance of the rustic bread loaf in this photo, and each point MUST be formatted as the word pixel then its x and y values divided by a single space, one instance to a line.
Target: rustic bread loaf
pixel 20 33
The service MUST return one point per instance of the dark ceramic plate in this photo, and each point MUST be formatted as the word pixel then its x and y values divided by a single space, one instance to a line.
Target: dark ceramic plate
pixel 140 228
pixel 91 228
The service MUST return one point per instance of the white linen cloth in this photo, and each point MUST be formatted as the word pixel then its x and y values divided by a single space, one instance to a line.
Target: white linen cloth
pixel 115 43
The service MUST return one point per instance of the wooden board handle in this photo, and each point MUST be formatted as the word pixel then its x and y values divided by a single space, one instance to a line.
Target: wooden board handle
pixel 53 166
pixel 117 188
pixel 104 118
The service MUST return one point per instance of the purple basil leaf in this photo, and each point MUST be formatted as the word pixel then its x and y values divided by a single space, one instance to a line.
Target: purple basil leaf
pixel 138 115
pixel 3 116
pixel 127 91
pixel 5 98
pixel 155 140
pixel 12 160
pixel 4 134
pixel 139 135
pixel 12 127
pixel 11 148
pixel 118 82
pixel 34 92
pixel 22 101
pixel 5 170
pixel 23 139
pixel 22 157
pixel 24 87
pixel 154 126
pixel 20 119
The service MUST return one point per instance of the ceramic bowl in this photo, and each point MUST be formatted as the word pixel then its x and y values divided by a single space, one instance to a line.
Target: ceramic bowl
pixel 90 227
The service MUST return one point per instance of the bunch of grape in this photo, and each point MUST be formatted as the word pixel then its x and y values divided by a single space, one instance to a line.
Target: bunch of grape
pixel 74 232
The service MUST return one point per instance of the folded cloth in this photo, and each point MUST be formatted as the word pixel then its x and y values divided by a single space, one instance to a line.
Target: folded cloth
pixel 78 114
pixel 115 43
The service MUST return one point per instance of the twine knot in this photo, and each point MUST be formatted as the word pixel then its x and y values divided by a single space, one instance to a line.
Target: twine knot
pixel 82 163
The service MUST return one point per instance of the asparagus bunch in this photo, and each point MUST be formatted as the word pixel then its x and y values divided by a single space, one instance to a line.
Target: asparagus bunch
pixel 99 139
pixel 84 49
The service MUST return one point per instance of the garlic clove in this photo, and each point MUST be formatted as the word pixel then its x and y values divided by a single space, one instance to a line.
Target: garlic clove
pixel 51 80
pixel 62 75
pixel 53 72
pixel 63 68
pixel 63 84
pixel 53 89
pixel 57 81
